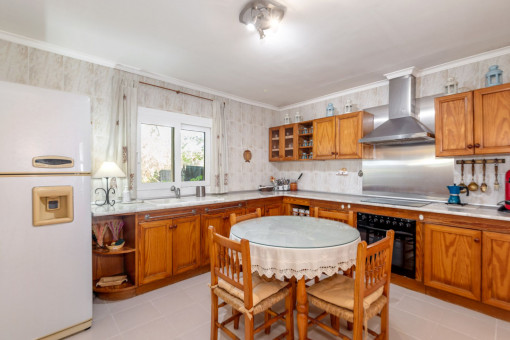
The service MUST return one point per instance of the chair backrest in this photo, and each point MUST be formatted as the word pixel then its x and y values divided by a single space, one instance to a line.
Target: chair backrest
pixel 225 258
pixel 345 217
pixel 373 268
pixel 236 219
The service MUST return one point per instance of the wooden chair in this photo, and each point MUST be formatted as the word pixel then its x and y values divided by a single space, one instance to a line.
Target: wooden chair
pixel 345 217
pixel 357 300
pixel 248 294
pixel 235 219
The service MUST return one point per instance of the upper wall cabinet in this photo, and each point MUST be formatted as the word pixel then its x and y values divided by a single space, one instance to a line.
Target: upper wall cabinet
pixel 325 138
pixel 474 123
pixel 283 143
pixel 350 128
pixel 337 137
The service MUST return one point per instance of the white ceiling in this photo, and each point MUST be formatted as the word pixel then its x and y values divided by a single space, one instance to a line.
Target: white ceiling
pixel 321 47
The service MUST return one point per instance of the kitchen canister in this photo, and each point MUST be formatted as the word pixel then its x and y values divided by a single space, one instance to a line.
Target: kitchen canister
pixel 200 191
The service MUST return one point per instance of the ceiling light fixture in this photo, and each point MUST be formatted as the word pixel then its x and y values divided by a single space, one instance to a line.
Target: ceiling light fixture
pixel 261 15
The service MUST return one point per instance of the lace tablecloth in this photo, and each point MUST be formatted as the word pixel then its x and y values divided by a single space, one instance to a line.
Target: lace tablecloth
pixel 293 246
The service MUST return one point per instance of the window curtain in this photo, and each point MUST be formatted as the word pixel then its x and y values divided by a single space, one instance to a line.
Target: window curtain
pixel 122 138
pixel 219 157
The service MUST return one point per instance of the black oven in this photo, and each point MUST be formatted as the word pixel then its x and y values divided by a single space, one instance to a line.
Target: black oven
pixel 373 228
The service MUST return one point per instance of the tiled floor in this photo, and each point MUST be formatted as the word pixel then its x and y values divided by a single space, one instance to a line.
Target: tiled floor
pixel 182 311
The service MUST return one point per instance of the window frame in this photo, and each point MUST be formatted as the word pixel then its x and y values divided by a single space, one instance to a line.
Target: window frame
pixel 178 121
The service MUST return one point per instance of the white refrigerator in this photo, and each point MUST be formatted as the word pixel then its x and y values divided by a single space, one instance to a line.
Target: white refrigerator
pixel 45 217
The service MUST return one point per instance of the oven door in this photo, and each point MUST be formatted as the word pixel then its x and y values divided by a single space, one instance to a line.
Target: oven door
pixel 404 249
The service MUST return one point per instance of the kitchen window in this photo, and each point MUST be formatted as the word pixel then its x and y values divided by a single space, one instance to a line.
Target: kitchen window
pixel 173 149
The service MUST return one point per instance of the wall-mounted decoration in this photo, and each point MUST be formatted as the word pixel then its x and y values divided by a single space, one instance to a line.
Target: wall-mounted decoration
pixel 247 156
pixel 348 106
pixel 451 86
pixel 330 111
pixel 298 118
pixel 494 76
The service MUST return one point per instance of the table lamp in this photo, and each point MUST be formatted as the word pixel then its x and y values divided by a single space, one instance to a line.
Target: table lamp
pixel 107 170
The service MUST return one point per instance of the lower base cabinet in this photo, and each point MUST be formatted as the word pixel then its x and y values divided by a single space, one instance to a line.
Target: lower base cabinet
pixel 496 270
pixel 452 260
pixel 168 247
pixel 220 220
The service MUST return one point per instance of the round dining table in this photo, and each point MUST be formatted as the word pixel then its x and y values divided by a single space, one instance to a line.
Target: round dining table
pixel 300 248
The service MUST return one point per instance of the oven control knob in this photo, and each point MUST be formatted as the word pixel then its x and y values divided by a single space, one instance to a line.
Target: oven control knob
pixel 388 222
pixel 395 223
pixel 401 224
pixel 408 225
pixel 363 217
pixel 376 220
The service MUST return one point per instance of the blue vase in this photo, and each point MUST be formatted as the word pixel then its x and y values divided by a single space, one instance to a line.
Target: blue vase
pixel 494 76
pixel 330 111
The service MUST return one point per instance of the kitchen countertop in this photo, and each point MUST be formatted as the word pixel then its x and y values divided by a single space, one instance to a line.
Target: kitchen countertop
pixel 189 201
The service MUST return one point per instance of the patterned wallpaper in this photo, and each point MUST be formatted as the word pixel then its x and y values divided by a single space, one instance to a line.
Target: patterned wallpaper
pixel 247 124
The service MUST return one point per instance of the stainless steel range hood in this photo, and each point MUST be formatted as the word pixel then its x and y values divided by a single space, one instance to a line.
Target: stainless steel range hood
pixel 402 126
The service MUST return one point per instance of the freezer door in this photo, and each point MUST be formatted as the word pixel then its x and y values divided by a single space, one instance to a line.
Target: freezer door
pixel 42 122
pixel 45 271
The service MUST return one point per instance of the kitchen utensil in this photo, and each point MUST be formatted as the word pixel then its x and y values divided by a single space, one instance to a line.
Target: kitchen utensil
pixel 454 193
pixel 299 177
pixel 483 186
pixel 463 190
pixel 293 186
pixel 473 186
pixel 496 183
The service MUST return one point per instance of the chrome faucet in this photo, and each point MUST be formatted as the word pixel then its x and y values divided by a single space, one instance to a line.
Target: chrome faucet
pixel 177 191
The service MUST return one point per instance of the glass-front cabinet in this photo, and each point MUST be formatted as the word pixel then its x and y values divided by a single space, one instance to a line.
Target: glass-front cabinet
pixel 283 143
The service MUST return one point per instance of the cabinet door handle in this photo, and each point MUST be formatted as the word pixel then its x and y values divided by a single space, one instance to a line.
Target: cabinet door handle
pixel 470 146
pixel 332 152
pixel 477 145
pixel 477 240
pixel 173 226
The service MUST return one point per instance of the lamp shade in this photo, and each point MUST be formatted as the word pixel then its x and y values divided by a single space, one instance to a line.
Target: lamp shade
pixel 109 169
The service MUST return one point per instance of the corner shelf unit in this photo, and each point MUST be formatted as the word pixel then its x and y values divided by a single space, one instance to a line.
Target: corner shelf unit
pixel 107 262
pixel 305 140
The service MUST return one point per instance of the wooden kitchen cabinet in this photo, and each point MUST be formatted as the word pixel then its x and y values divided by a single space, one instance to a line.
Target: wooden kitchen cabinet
pixel 273 209
pixel 454 124
pixel 169 247
pixel 119 262
pixel 324 138
pixel 473 123
pixel 219 218
pixel 185 244
pixel 155 250
pixel 350 128
pixel 283 143
pixel 492 119
pixel 495 270
pixel 452 260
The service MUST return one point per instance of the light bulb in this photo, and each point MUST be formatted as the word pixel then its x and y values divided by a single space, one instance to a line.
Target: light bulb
pixel 250 27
